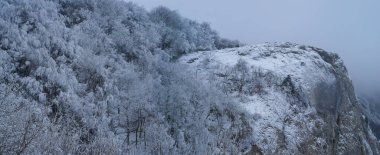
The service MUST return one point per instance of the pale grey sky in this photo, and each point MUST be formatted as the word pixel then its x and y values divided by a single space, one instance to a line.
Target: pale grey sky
pixel 348 27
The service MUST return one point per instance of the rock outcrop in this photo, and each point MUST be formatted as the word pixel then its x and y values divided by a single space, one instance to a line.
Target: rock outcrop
pixel 301 98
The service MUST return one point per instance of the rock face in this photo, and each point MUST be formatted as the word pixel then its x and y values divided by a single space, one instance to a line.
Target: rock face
pixel 301 98
pixel 371 104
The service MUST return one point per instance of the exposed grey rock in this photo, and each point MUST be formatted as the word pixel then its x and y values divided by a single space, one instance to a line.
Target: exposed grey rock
pixel 370 104
pixel 346 131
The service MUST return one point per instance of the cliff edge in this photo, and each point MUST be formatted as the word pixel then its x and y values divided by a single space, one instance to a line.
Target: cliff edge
pixel 301 98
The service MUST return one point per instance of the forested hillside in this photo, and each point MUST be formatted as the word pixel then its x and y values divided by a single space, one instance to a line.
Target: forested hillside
pixel 96 77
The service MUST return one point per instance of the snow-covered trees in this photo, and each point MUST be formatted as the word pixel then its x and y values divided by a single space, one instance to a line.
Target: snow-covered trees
pixel 179 35
pixel 95 77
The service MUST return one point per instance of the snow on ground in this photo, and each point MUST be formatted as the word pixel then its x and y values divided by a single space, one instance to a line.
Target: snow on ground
pixel 303 65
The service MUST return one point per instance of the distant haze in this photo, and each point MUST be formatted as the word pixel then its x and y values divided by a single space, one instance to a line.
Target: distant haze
pixel 348 27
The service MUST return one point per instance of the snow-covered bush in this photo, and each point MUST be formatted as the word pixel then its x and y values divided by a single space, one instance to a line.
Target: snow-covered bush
pixel 247 80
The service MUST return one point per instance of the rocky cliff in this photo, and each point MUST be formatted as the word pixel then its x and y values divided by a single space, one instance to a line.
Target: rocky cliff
pixel 301 98
pixel 371 105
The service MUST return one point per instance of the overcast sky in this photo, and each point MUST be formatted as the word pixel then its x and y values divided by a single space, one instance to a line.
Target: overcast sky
pixel 348 27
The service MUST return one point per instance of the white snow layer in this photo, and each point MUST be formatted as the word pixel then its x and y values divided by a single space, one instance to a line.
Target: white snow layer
pixel 275 118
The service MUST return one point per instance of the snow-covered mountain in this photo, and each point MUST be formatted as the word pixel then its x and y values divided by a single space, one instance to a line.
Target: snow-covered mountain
pixel 301 98
pixel 108 77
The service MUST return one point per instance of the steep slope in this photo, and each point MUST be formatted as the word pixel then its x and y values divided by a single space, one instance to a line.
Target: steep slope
pixel 371 104
pixel 301 97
